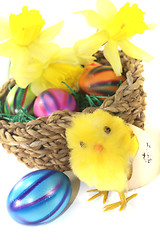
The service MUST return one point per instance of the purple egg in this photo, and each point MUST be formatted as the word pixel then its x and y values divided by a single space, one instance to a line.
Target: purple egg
pixel 51 100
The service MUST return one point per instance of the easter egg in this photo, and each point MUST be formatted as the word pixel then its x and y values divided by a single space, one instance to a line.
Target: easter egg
pixel 39 197
pixel 19 97
pixel 51 100
pixel 100 80
pixel 91 66
pixel 146 164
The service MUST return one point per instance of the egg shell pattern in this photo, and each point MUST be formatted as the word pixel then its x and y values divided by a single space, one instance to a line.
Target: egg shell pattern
pixel 19 97
pixel 39 197
pixel 51 100
pixel 100 81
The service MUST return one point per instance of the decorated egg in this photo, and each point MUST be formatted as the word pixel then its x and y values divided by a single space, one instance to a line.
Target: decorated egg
pixel 100 80
pixel 39 197
pixel 52 100
pixel 19 97
pixel 146 164
pixel 91 66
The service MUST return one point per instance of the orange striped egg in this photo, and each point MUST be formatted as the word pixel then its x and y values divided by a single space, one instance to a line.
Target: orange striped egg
pixel 100 80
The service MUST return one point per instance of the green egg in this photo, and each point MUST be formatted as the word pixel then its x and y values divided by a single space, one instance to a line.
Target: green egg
pixel 19 97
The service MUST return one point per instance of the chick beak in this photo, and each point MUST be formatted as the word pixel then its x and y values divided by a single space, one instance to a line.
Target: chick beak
pixel 98 147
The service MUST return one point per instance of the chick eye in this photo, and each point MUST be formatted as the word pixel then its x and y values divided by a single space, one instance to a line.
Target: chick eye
pixel 82 144
pixel 107 129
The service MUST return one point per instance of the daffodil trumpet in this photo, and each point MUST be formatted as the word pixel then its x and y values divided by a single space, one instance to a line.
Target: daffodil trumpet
pixel 115 29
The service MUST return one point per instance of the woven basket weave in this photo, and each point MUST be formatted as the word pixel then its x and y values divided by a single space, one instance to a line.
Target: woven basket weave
pixel 42 143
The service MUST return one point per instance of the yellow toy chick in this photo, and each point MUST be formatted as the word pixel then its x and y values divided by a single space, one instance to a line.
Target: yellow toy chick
pixel 102 150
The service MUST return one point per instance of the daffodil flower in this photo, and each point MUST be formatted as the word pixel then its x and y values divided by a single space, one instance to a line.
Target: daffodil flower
pixel 63 67
pixel 115 28
pixel 24 38
pixel 74 55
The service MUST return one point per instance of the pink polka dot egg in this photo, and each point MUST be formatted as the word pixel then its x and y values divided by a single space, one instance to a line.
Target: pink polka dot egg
pixel 51 100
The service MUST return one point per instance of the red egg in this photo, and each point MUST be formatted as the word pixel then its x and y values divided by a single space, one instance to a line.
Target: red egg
pixel 100 80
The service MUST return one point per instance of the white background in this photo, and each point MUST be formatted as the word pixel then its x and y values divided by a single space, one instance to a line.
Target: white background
pixel 85 219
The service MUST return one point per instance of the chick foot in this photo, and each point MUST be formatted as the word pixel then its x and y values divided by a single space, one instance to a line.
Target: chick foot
pixel 120 204
pixel 104 193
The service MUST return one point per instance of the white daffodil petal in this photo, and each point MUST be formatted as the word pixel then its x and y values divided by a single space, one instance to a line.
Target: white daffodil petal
pixel 93 18
pixel 5 32
pixel 43 52
pixel 50 33
pixel 111 53
pixel 133 51
pixel 106 9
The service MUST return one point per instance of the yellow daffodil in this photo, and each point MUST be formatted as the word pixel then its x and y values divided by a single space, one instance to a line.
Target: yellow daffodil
pixel 24 38
pixel 116 29
pixel 75 55
pixel 62 68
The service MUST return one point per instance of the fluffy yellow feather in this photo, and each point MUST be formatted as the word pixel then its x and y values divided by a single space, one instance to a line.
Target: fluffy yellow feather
pixel 102 149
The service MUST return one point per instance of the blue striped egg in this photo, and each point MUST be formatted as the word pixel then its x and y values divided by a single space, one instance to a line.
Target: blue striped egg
pixel 39 197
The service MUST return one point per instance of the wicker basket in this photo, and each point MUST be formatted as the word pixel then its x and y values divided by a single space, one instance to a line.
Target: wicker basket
pixel 41 143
